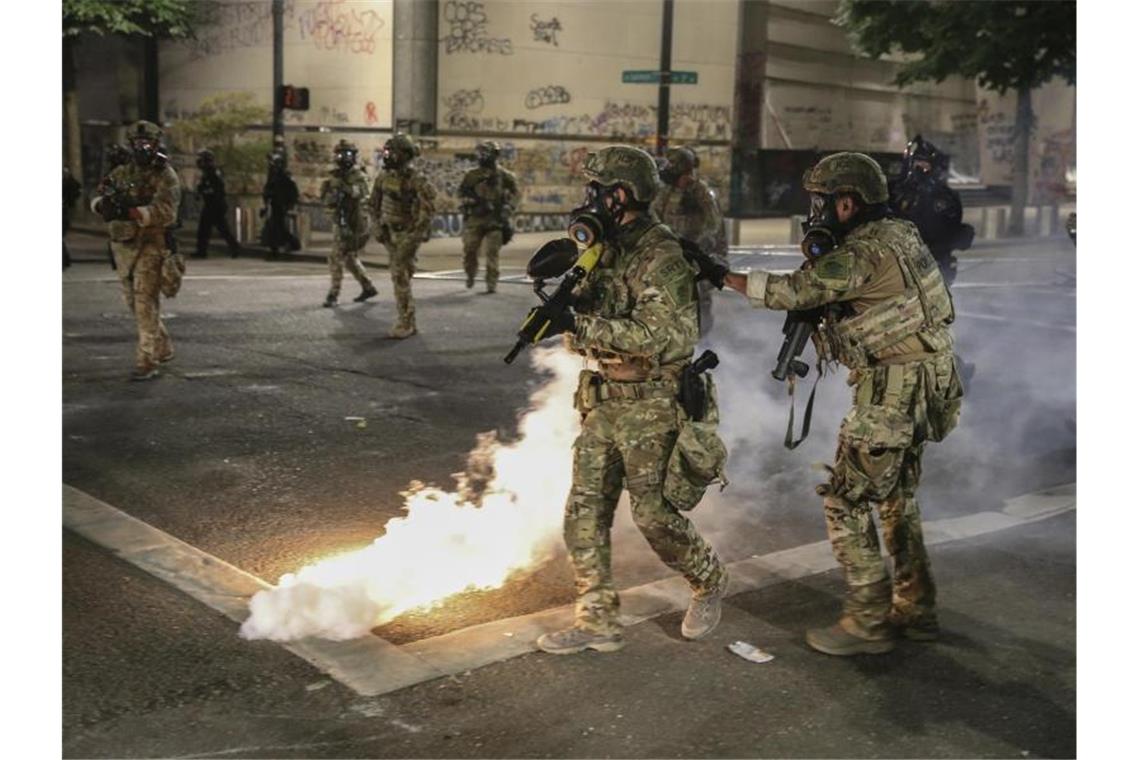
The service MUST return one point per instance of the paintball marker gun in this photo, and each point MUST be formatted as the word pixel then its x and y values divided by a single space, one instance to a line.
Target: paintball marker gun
pixel 340 202
pixel 558 258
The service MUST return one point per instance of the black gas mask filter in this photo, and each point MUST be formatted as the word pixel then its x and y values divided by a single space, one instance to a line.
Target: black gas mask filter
pixel 596 219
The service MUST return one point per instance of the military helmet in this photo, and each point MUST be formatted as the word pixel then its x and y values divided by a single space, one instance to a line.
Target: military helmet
pixel 205 156
pixel 624 165
pixel 919 149
pixel 145 129
pixel 490 147
pixel 403 144
pixel 846 172
pixel 682 160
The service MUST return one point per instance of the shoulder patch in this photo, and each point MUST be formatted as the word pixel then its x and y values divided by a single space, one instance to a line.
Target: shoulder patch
pixel 835 268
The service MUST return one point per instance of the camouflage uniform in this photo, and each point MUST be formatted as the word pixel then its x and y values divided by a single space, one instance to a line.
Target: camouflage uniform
pixel 690 209
pixel 637 317
pixel 887 320
pixel 350 226
pixel 140 245
pixel 490 194
pixel 403 203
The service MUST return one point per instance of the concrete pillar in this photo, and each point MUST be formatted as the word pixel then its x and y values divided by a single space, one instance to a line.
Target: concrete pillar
pixel 748 106
pixel 415 51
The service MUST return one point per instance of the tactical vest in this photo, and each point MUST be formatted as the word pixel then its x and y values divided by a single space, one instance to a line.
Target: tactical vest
pixel 610 294
pixel 142 183
pixel 399 199
pixel 924 309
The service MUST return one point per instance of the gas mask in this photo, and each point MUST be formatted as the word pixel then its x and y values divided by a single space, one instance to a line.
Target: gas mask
pixel 144 151
pixel 669 173
pixel 822 230
pixel 596 219
pixel 345 159
pixel 485 157
pixel 391 159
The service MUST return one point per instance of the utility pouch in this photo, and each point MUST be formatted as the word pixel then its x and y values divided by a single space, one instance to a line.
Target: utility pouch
pixel 942 392
pixel 586 397
pixel 697 461
pixel 170 281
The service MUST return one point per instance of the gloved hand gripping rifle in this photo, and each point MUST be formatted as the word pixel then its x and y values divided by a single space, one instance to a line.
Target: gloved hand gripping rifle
pixel 118 200
pixel 558 258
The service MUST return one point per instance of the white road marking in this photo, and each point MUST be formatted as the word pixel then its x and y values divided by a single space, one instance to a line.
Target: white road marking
pixel 368 665
pixel 371 666
pixel 1018 321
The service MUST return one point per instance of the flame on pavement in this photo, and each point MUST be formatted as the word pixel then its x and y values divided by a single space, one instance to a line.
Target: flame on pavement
pixel 447 542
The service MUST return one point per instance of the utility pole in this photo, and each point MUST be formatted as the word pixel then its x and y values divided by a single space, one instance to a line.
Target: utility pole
pixel 279 76
pixel 666 72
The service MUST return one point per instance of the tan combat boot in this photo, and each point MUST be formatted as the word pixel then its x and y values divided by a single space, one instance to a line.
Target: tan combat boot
pixel 845 638
pixel 144 372
pixel 402 330
pixel 575 639
pixel 704 611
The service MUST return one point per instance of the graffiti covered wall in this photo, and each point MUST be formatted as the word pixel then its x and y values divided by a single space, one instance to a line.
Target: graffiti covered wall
pixel 340 49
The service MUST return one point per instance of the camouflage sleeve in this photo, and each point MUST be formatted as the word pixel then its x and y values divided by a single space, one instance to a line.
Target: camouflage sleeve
pixel 510 190
pixel 425 202
pixel 711 221
pixel 359 187
pixel 327 191
pixel 376 199
pixel 162 211
pixel 467 184
pixel 664 318
pixel 836 276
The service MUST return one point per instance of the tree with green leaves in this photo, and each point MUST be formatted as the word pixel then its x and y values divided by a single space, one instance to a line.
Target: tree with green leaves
pixel 217 124
pixel 145 18
pixel 1003 45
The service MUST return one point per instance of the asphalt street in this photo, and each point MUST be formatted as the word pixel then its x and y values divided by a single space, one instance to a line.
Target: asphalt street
pixel 284 432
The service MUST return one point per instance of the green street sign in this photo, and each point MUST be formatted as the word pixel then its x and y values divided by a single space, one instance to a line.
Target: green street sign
pixel 655 77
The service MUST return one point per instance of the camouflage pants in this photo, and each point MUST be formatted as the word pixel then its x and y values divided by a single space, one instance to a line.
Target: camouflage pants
pixel 402 265
pixel 340 259
pixel 482 240
pixel 630 441
pixel 878 465
pixel 139 266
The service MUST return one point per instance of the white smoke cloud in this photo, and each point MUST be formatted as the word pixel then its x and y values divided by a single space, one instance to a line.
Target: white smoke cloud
pixel 445 544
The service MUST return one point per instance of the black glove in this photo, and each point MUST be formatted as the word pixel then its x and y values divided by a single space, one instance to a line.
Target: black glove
pixel 112 211
pixel 708 268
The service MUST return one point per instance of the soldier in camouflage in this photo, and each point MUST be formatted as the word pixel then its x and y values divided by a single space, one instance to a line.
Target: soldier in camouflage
pixel 886 316
pixel 689 207
pixel 635 319
pixel 488 196
pixel 345 193
pixel 139 201
pixel 403 202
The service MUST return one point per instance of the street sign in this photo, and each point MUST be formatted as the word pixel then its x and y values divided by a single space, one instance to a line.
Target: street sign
pixel 655 77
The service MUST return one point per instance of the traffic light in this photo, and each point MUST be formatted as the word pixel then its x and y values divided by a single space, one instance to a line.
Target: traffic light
pixel 294 98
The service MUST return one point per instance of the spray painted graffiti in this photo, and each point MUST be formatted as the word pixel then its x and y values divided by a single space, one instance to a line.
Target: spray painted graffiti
pixel 233 26
pixel 467 30
pixel 341 25
pixel 463 109
pixel 545 31
pixel 546 96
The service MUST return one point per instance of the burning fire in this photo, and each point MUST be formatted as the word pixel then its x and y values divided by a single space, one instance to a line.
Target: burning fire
pixel 505 516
